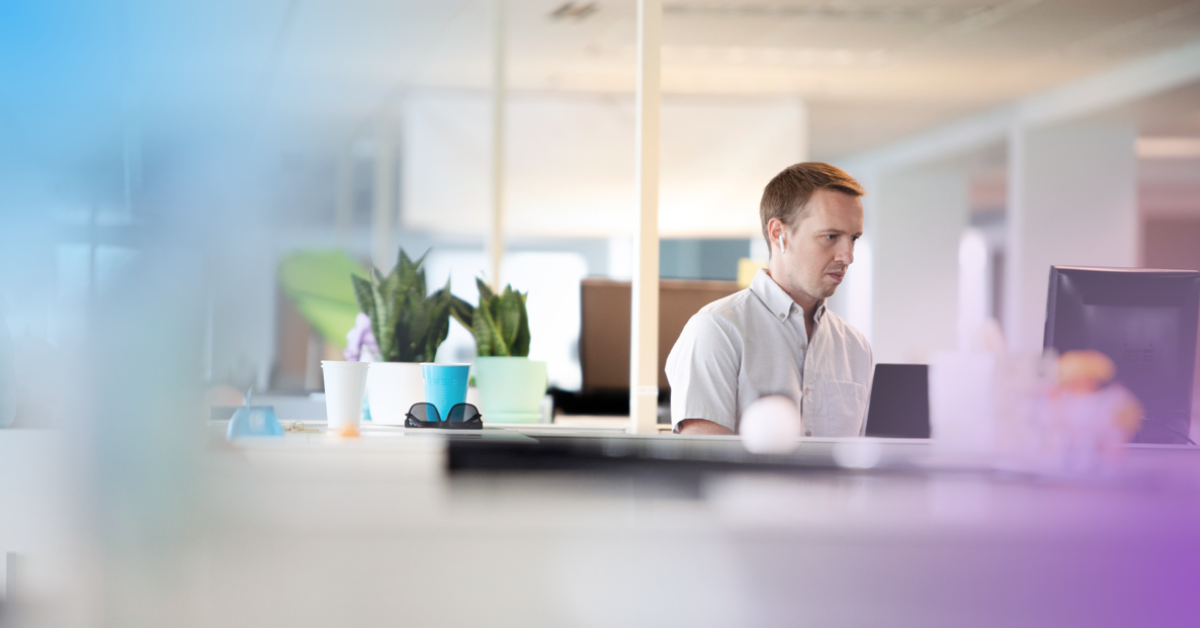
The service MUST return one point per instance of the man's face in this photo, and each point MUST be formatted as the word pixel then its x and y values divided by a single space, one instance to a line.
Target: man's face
pixel 817 252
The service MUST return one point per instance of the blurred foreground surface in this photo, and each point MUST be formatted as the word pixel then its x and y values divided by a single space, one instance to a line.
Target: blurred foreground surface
pixel 305 531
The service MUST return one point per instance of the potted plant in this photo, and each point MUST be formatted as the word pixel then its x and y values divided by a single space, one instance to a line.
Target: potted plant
pixel 408 325
pixel 511 386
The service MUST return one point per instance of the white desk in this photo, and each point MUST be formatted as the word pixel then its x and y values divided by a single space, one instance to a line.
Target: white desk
pixel 304 531
pixel 819 548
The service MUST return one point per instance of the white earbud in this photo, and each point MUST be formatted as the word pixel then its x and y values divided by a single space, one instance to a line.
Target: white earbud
pixel 781 247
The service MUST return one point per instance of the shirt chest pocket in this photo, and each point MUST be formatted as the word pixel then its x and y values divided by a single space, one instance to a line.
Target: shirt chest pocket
pixel 834 408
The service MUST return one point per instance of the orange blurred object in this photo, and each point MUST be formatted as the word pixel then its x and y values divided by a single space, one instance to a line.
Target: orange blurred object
pixel 222 395
pixel 345 431
pixel 1128 416
pixel 1084 371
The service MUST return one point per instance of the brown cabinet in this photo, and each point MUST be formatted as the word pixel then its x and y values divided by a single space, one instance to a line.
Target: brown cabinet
pixel 604 329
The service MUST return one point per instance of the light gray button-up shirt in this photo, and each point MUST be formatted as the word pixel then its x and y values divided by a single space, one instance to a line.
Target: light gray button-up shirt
pixel 753 343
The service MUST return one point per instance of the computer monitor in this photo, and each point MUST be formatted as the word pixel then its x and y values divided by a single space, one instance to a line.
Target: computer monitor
pixel 1145 321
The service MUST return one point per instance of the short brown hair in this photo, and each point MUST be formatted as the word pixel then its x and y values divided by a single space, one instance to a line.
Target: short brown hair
pixel 786 196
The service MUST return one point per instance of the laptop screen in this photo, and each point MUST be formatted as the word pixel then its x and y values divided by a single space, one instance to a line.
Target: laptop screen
pixel 899 401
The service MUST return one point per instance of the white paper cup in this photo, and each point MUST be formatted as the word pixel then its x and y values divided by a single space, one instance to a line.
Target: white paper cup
pixel 345 383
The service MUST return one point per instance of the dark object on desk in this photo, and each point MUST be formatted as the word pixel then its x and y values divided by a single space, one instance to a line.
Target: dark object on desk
pixel 605 402
pixel 462 416
pixel 1145 321
pixel 899 405
pixel 611 402
pixel 671 458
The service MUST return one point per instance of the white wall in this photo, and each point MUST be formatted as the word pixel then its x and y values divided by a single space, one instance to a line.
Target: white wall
pixel 919 216
pixel 1072 201
pixel 570 167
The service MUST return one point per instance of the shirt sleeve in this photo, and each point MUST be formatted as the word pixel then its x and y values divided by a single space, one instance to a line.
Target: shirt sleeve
pixel 703 372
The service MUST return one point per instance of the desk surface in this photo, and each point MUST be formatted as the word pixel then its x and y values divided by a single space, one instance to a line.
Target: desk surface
pixel 907 543
pixel 306 531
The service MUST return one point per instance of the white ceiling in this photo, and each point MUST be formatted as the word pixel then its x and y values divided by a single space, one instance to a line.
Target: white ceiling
pixel 871 70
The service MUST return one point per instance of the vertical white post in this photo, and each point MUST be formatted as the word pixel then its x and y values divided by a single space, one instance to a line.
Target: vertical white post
pixel 496 235
pixel 919 216
pixel 1014 226
pixel 382 253
pixel 343 210
pixel 643 350
pixel 972 286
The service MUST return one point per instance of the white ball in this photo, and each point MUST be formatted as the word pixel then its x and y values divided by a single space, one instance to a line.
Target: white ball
pixel 771 425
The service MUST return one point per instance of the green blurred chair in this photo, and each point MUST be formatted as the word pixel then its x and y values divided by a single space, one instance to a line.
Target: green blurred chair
pixel 318 283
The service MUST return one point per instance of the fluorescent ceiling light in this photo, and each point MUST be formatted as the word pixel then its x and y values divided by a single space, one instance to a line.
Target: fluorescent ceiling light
pixel 819 57
pixel 835 11
pixel 1168 147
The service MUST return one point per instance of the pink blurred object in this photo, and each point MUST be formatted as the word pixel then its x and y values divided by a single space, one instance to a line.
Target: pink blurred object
pixel 1083 432
pixel 360 341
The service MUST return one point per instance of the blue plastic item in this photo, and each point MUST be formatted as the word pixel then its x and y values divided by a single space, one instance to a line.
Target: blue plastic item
pixel 445 385
pixel 254 421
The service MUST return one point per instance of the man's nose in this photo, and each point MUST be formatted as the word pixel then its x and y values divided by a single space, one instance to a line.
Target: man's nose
pixel 845 253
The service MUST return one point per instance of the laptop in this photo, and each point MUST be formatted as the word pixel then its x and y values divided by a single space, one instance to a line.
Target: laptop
pixel 899 406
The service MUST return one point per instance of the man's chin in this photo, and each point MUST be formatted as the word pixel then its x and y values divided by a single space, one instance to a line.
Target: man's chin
pixel 828 287
pixel 827 291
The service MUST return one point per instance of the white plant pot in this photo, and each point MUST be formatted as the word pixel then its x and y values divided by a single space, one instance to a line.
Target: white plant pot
pixel 392 388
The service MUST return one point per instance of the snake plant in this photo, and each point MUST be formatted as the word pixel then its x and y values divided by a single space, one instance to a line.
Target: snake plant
pixel 408 324
pixel 500 324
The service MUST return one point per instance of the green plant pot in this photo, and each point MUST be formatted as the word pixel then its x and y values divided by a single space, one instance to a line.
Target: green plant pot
pixel 510 389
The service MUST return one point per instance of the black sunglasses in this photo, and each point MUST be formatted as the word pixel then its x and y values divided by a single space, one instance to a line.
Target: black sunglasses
pixel 463 416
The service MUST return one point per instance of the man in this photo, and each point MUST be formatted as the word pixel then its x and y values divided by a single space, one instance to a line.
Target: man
pixel 777 337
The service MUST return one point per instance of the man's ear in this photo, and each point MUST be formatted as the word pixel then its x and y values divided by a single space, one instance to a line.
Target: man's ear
pixel 774 228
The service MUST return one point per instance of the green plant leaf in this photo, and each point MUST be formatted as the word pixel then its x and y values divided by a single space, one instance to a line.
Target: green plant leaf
pixel 439 317
pixel 461 311
pixel 485 291
pixel 408 324
pixel 366 301
pixel 487 336
pixel 483 342
pixel 410 274
pixel 412 326
pixel 520 346
pixel 508 317
pixel 500 323
pixel 385 310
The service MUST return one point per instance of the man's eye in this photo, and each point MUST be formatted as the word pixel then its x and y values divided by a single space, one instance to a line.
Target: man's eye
pixel 854 238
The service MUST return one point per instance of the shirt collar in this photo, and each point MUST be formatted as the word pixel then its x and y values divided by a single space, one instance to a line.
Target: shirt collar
pixel 776 300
